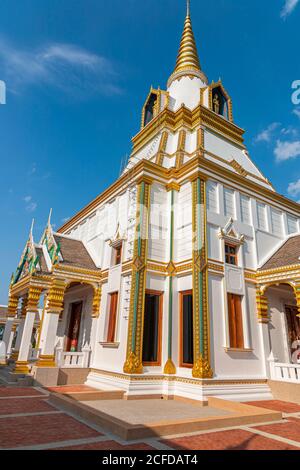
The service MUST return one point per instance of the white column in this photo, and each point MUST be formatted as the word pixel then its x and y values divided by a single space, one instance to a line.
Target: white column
pixel 19 334
pixel 32 303
pixel 266 345
pixel 7 332
pixel 47 340
pixel 22 362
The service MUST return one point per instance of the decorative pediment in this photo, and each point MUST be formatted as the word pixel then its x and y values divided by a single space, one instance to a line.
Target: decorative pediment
pixel 118 238
pixel 29 262
pixel 230 234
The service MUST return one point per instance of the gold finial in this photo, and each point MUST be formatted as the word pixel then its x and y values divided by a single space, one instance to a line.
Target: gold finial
pixel 188 7
pixel 188 59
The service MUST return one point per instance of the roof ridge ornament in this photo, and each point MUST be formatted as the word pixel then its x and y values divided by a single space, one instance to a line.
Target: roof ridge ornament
pixel 49 218
pixel 188 63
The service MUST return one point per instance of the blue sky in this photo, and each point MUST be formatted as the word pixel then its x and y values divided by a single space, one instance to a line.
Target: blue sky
pixel 78 72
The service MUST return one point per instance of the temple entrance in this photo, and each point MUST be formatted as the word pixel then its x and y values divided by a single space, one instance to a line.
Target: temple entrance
pixel 293 330
pixel 74 327
pixel 152 329
pixel 186 358
pixel 284 324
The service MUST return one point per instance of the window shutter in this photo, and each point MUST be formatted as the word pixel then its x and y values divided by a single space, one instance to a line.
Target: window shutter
pixel 261 216
pixel 245 210
pixel 292 224
pixel 212 196
pixel 229 208
pixel 276 221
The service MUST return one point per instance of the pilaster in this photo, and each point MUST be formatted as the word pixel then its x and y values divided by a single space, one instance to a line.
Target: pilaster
pixel 201 368
pixel 133 363
pixel 170 366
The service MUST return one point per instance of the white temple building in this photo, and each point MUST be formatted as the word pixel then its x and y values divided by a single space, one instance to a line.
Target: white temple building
pixel 180 279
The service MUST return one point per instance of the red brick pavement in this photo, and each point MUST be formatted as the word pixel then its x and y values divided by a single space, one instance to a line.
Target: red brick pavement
pixel 290 429
pixel 32 430
pixel 236 439
pixel 18 391
pixel 45 429
pixel 108 445
pixel 29 405
pixel 277 405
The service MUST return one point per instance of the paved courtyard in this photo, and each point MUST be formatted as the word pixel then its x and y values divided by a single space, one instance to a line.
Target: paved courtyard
pixel 28 421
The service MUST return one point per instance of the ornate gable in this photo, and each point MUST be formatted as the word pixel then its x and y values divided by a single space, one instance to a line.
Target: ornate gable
pixel 30 261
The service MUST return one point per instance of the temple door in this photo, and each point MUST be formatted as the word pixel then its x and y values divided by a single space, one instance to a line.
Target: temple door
pixel 74 327
pixel 293 323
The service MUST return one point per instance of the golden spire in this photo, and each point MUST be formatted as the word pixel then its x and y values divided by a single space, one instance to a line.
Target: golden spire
pixel 188 60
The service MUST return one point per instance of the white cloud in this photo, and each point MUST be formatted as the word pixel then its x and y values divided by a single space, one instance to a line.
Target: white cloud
pixel 64 66
pixel 267 134
pixel 287 150
pixel 294 188
pixel 31 207
pixel 291 131
pixel 288 8
pixel 30 204
pixel 65 219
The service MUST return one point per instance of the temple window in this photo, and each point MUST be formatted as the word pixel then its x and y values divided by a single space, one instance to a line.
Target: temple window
pixel 117 255
pixel 231 254
pixel 152 329
pixel 235 321
pixel 112 312
pixel 220 102
pixel 149 110
pixel 186 329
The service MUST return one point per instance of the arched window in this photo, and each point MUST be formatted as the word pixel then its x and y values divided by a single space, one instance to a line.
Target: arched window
pixel 220 102
pixel 150 109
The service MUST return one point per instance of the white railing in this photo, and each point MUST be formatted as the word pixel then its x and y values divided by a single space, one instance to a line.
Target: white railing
pixel 72 359
pixel 285 372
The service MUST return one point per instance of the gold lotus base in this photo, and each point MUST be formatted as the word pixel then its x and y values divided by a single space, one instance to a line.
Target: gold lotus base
pixel 46 361
pixel 202 369
pixel 133 365
pixel 169 368
pixel 21 367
